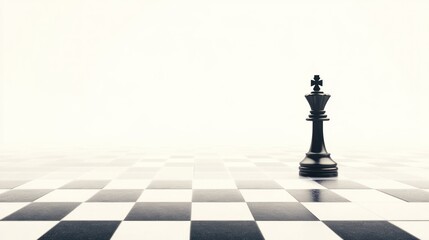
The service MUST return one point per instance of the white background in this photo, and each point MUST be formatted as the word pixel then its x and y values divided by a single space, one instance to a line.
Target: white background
pixel 224 72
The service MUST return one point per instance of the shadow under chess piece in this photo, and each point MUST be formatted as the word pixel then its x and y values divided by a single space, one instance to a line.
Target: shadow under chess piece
pixel 318 162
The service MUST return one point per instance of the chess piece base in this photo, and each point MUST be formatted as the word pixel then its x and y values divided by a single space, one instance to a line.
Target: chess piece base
pixel 318 165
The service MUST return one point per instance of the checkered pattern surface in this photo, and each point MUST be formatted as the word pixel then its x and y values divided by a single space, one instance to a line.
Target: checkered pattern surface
pixel 138 194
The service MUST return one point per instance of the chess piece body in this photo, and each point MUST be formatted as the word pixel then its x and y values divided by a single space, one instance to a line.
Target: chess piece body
pixel 318 162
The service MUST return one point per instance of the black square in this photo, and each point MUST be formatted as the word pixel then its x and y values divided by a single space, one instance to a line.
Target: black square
pixel 116 195
pixel 86 184
pixel 368 230
pixel 409 195
pixel 341 184
pixel 23 195
pixel 316 195
pixel 280 212
pixel 160 212
pixel 216 195
pixel 169 184
pixel 225 230
pixel 71 230
pixel 257 184
pixel 9 184
pixel 43 211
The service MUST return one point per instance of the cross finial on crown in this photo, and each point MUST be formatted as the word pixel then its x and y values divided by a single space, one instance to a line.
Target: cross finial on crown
pixel 316 83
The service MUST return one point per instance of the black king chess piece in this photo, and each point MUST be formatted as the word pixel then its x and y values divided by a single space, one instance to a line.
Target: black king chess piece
pixel 318 162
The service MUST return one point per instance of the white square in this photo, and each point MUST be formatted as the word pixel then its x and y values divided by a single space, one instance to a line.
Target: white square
pixel 23 230
pixel 291 164
pixel 400 211
pixel 211 175
pixel 299 230
pixel 68 195
pixel 213 184
pixel 7 208
pixel 221 211
pixel 166 195
pixel 127 184
pixel 365 195
pixel 62 175
pixel 250 176
pixel 357 164
pixel 340 211
pixel 165 230
pixel 263 160
pixel 177 173
pixel 240 164
pixel 149 164
pixel 43 184
pixel 99 175
pixel 384 184
pixel 181 160
pixel 266 195
pixel 299 184
pixel 100 211
pixel 417 228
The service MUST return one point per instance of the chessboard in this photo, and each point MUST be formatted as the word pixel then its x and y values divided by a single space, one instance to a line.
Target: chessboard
pixel 135 193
